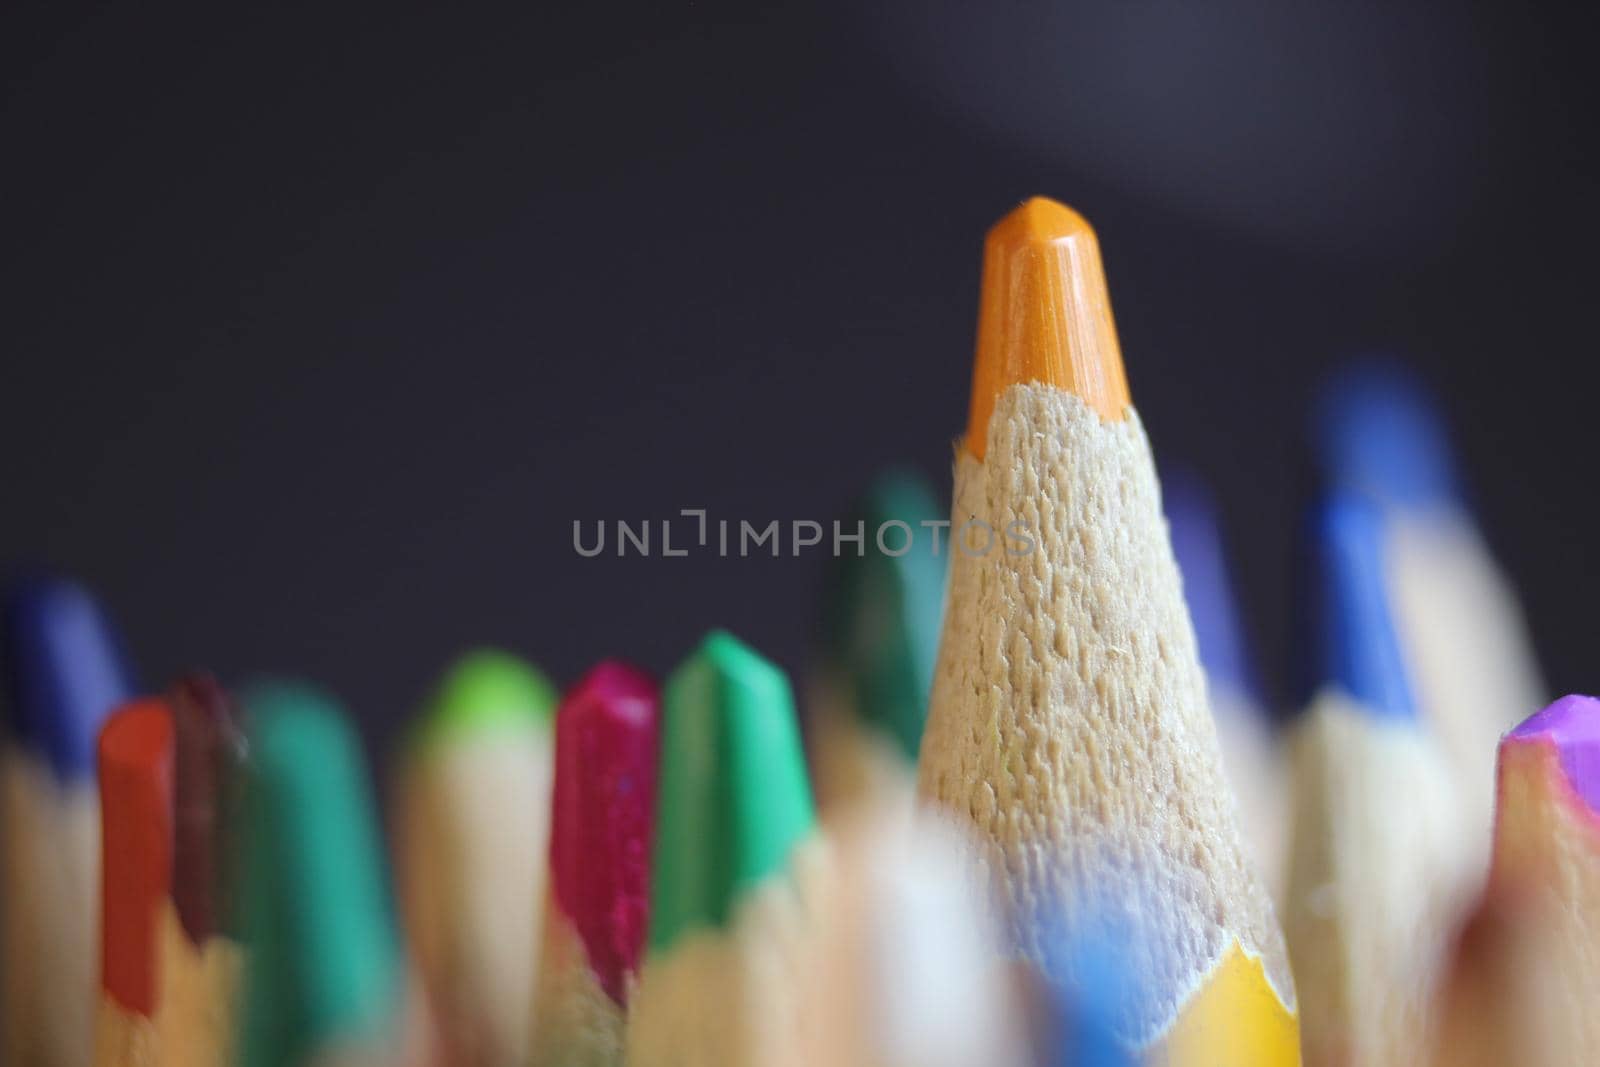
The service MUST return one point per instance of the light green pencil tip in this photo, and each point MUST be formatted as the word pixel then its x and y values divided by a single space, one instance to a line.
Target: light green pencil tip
pixel 732 799
pixel 885 607
pixel 486 690
pixel 322 958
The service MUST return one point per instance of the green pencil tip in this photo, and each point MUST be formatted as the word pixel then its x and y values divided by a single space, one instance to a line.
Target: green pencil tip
pixel 485 690
pixel 315 914
pixel 733 800
pixel 885 608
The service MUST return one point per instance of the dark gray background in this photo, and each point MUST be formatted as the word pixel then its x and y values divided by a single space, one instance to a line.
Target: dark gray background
pixel 319 329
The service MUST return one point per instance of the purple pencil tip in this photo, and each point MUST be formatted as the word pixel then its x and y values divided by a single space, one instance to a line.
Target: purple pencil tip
pixel 1572 724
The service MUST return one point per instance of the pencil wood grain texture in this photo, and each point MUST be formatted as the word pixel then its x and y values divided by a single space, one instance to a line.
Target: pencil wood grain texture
pixel 1068 722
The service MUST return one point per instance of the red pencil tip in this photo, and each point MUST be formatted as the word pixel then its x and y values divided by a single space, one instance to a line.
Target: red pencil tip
pixel 136 840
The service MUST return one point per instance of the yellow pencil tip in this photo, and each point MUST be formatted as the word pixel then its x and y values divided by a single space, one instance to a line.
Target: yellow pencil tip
pixel 1044 315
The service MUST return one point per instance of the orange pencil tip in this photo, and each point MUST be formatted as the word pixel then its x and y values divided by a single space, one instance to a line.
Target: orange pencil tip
pixel 1044 315
pixel 136 753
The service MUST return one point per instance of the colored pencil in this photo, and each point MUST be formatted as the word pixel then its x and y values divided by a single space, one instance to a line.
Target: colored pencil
pixel 903 966
pixel 1537 963
pixel 1250 750
pixel 882 635
pixel 136 770
pixel 733 810
pixel 64 672
pixel 1375 879
pixel 202 957
pixel 1460 625
pixel 474 799
pixel 597 893
pixel 168 974
pixel 321 977
pixel 1068 722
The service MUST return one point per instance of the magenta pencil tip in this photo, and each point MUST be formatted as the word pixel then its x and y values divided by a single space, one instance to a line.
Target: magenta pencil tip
pixel 603 816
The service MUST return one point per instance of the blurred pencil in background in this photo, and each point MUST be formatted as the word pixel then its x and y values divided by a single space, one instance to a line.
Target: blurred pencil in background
pixel 881 636
pixel 1082 1014
pixel 597 893
pixel 169 971
pixel 64 673
pixel 322 982
pixel 473 797
pixel 903 965
pixel 733 814
pixel 1461 628
pixel 1251 754
pixel 1527 984
pixel 1069 724
pixel 201 955
pixel 136 770
pixel 1376 876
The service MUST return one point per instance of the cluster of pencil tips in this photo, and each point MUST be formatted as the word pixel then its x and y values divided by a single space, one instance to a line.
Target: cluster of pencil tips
pixel 1055 822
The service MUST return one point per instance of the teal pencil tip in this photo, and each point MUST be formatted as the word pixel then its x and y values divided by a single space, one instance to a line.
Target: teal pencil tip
pixel 884 607
pixel 318 926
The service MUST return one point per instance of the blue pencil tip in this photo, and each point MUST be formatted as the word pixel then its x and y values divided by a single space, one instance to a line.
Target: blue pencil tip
pixel 1351 643
pixel 1207 582
pixel 1379 430
pixel 1085 1004
pixel 64 672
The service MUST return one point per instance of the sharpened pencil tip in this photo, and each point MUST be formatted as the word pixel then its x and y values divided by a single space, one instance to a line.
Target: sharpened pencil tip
pixel 733 800
pixel 209 751
pixel 1379 430
pixel 136 760
pixel 1572 724
pixel 603 816
pixel 323 963
pixel 884 608
pixel 485 690
pixel 64 672
pixel 1352 643
pixel 1044 315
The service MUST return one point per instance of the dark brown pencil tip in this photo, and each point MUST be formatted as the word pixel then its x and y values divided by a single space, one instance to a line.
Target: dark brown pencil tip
pixel 209 749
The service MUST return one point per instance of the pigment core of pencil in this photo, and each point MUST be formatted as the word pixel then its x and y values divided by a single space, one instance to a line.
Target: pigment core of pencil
pixel 603 817
pixel 1352 644
pixel 883 611
pixel 733 799
pixel 64 671
pixel 1570 726
pixel 322 971
pixel 483 691
pixel 209 751
pixel 733 812
pixel 136 770
pixel 1045 315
